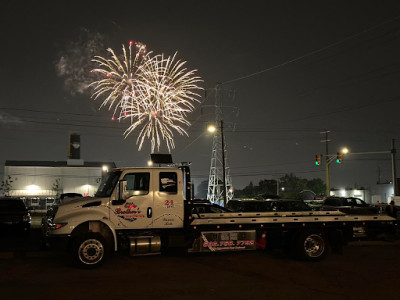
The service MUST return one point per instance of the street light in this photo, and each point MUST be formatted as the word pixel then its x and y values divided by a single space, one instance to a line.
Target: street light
pixel 345 150
pixel 104 172
pixel 211 128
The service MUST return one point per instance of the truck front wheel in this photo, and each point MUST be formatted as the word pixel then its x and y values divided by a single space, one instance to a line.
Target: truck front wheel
pixel 312 245
pixel 89 250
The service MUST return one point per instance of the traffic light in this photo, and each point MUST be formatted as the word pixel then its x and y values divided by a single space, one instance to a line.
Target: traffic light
pixel 318 159
pixel 339 158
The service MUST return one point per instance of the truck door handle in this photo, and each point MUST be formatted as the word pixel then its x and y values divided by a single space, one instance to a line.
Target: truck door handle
pixel 149 212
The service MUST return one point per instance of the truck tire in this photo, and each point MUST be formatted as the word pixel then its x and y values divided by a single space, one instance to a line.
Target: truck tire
pixel 312 245
pixel 89 250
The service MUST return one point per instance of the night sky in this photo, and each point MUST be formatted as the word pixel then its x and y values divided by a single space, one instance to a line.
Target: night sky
pixel 289 71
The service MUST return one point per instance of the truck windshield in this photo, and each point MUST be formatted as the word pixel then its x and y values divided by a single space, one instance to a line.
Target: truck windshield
pixel 107 184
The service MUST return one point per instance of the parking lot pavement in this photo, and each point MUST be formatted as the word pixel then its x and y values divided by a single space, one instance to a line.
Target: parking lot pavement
pixel 13 245
pixel 370 272
pixel 16 244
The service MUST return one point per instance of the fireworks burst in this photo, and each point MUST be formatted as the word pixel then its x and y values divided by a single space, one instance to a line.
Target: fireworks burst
pixel 168 91
pixel 155 93
pixel 119 77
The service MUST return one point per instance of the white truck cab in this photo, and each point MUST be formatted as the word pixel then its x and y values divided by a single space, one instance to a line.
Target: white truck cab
pixel 138 204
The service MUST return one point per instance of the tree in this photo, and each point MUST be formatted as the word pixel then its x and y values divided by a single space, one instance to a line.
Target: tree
pixel 248 192
pixel 267 187
pixel 291 184
pixel 56 187
pixel 6 185
pixel 317 186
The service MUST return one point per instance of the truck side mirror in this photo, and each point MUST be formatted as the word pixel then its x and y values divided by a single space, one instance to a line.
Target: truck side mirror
pixel 122 190
pixel 121 193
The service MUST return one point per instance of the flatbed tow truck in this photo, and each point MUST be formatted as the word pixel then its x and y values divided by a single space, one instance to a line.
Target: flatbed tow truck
pixel 150 210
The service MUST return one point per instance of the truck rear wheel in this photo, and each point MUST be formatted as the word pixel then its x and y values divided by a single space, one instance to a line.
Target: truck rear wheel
pixel 312 245
pixel 89 250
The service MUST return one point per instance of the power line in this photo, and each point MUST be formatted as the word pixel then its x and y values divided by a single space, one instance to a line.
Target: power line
pixel 48 111
pixel 313 52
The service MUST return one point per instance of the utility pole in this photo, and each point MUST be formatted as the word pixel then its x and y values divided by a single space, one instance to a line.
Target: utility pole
pixel 394 176
pixel 223 163
pixel 277 187
pixel 327 163
pixel 330 157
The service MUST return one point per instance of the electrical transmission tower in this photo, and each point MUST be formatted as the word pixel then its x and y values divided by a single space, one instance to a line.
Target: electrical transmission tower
pixel 219 181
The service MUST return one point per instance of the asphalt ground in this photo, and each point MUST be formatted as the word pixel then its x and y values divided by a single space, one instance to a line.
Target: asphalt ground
pixel 363 271
pixel 366 270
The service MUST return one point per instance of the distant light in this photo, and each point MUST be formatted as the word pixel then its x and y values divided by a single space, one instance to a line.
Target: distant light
pixel 150 163
pixel 345 150
pixel 33 187
pixel 211 129
pixel 105 168
pixel 343 192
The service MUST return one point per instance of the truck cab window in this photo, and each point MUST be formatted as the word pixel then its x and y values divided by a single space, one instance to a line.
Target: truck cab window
pixel 137 183
pixel 168 182
pixel 107 184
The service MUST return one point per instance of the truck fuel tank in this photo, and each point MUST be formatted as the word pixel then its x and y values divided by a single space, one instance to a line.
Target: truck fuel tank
pixel 144 245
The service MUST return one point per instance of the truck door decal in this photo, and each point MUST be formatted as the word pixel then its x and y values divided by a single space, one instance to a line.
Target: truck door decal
pixel 137 186
pixel 129 212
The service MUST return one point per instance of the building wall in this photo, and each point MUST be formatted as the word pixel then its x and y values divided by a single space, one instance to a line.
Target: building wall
pixel 380 193
pixel 48 181
pixel 362 194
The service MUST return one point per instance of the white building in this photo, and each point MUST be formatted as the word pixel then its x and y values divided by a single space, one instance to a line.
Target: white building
pixel 379 193
pixel 41 180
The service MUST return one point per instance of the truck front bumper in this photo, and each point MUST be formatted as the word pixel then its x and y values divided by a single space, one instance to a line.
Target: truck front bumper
pixel 57 242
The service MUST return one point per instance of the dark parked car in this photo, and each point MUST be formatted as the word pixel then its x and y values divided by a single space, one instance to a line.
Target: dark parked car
pixel 349 205
pixel 288 205
pixel 269 205
pixel 248 205
pixel 67 197
pixel 14 216
pixel 208 208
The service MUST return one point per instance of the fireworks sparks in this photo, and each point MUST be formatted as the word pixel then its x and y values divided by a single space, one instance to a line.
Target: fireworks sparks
pixel 154 92
pixel 119 77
